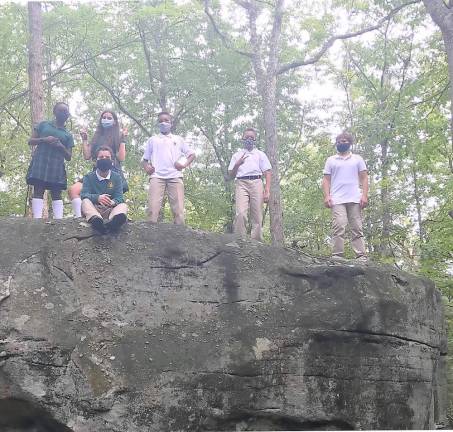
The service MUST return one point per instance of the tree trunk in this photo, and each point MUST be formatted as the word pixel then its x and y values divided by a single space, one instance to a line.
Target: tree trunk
pixel 385 248
pixel 35 68
pixel 418 204
pixel 270 129
pixel 442 15
pixel 35 84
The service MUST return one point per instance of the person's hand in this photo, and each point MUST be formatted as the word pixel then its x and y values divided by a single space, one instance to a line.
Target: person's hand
pixel 83 134
pixel 328 202
pixel 266 195
pixel 363 201
pixel 242 159
pixel 149 169
pixel 179 166
pixel 50 140
pixel 125 132
pixel 105 200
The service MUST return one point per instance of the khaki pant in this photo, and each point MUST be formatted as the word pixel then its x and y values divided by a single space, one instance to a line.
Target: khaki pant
pixel 175 192
pixel 342 214
pixel 89 210
pixel 249 192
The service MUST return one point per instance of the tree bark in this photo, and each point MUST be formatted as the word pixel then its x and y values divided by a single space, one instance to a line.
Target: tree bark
pixel 35 83
pixel 442 15
pixel 35 68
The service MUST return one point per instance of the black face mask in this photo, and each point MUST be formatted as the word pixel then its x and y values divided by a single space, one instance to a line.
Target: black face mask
pixel 343 147
pixel 104 164
pixel 61 116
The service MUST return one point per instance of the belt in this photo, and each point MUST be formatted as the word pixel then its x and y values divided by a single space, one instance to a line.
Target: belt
pixel 249 178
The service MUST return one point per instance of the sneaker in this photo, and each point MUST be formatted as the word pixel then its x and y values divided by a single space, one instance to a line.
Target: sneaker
pixel 115 223
pixel 338 258
pixel 362 259
pixel 98 224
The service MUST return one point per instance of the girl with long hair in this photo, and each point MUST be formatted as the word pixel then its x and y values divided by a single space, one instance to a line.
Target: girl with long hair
pixel 107 134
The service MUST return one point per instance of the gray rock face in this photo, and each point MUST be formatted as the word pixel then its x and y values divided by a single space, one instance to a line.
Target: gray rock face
pixel 164 328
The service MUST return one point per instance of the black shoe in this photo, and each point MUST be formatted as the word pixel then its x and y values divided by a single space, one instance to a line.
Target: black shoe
pixel 115 223
pixel 98 224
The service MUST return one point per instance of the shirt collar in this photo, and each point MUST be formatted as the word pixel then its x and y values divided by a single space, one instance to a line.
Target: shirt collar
pixel 338 156
pixel 169 135
pixel 103 178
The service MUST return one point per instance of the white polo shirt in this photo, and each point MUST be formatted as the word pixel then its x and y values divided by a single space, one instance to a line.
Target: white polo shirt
pixel 344 177
pixel 254 164
pixel 162 151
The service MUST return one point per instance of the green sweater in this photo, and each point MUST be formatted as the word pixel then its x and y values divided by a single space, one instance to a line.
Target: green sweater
pixel 92 187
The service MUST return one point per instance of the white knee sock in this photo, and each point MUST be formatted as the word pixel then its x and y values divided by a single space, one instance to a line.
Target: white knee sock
pixel 77 207
pixel 36 207
pixel 57 209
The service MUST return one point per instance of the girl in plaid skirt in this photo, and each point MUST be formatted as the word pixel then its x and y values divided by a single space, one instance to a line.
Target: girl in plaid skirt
pixel 53 145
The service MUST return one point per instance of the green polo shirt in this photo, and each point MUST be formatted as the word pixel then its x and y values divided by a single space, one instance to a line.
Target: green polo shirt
pixel 48 128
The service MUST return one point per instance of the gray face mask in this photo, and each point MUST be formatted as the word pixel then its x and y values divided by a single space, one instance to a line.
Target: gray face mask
pixel 165 127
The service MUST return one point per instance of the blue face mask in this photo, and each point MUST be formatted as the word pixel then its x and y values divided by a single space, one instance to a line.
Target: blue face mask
pixel 248 143
pixel 107 123
pixel 342 148
pixel 165 127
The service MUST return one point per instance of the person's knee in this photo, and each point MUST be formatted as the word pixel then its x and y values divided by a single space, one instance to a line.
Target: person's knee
pixel 74 191
pixel 38 192
pixel 55 194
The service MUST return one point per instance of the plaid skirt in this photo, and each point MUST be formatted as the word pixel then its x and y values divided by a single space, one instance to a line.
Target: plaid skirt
pixel 47 168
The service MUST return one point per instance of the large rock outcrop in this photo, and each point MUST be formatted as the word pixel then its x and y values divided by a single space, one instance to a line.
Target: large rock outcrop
pixel 165 328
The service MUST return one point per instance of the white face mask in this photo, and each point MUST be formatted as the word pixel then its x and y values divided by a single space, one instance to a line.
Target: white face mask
pixel 107 123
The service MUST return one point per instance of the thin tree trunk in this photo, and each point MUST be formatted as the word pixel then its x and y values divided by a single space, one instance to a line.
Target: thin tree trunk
pixel 385 248
pixel 270 129
pixel 35 67
pixel 418 205
pixel 35 74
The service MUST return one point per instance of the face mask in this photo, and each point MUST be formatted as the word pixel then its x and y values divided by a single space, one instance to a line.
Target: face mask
pixel 342 148
pixel 104 164
pixel 165 127
pixel 107 123
pixel 61 116
pixel 248 143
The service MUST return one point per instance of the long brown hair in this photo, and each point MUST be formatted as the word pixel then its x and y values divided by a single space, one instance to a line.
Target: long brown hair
pixel 112 135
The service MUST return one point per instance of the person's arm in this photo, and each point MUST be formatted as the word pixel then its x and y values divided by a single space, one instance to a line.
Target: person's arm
pixel 188 153
pixel 117 193
pixel 326 180
pixel 36 140
pixel 267 186
pixel 121 153
pixel 179 166
pixel 67 152
pixel 87 191
pixel 147 166
pixel 234 170
pixel 86 148
pixel 363 178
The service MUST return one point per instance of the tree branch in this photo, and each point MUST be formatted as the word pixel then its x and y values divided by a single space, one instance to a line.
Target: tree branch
pixel 226 42
pixel 118 102
pixel 329 42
